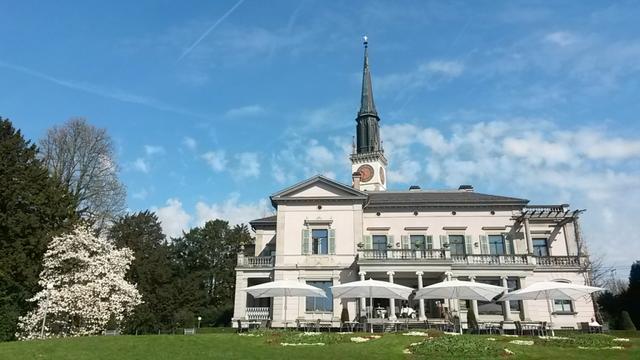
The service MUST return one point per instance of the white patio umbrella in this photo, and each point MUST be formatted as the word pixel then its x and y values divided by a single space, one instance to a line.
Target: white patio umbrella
pixel 284 288
pixel 371 288
pixel 547 290
pixel 460 290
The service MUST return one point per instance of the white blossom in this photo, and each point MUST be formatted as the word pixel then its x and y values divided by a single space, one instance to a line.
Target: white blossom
pixel 87 276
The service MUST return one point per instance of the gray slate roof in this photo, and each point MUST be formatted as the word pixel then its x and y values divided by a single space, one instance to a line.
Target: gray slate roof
pixel 439 198
pixel 269 220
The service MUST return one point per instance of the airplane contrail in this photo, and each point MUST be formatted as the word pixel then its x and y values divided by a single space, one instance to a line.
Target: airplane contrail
pixel 221 19
pixel 98 90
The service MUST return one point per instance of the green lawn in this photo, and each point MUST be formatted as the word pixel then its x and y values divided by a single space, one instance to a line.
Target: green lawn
pixel 268 346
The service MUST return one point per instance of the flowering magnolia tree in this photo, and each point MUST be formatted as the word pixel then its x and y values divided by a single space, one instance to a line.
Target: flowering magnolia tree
pixel 84 288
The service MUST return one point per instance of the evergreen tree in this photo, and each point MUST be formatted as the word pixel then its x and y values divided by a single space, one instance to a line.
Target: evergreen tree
pixel 33 209
pixel 632 295
pixel 151 270
pixel 205 258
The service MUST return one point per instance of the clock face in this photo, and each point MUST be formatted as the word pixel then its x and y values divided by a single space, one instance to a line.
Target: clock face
pixel 381 174
pixel 366 172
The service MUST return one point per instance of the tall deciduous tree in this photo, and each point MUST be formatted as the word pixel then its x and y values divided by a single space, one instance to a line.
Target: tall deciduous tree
pixel 33 208
pixel 88 287
pixel 81 156
pixel 151 270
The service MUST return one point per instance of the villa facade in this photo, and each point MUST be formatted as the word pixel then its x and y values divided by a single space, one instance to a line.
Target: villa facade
pixel 327 233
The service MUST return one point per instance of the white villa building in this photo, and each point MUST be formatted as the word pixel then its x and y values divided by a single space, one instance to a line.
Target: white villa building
pixel 326 233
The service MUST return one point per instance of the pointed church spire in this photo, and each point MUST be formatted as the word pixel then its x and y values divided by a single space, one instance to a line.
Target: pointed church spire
pixel 367 107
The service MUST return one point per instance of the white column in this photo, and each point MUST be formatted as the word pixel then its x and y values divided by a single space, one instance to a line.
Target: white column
pixel 527 235
pixel 453 305
pixel 240 300
pixel 506 308
pixel 363 301
pixel 474 303
pixel 392 302
pixel 421 315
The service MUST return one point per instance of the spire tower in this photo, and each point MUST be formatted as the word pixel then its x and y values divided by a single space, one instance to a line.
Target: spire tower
pixel 368 155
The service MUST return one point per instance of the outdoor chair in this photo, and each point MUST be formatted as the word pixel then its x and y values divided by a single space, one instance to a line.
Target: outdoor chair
pixel 518 328
pixel 241 327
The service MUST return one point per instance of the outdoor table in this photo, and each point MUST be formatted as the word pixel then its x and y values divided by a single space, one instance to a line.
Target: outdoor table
pixel 595 327
pixel 532 326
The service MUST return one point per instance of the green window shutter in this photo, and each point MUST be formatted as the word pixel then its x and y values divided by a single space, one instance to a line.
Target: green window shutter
pixel 390 241
pixel 443 240
pixel 484 244
pixel 306 241
pixel 406 244
pixel 332 241
pixel 468 245
pixel 508 244
pixel 429 245
pixel 368 243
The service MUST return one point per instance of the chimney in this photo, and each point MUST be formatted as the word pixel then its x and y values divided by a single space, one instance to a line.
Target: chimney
pixel 356 180
pixel 414 188
pixel 468 188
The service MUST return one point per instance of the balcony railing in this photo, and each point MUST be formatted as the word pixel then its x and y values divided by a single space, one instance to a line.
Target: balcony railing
pixel 402 254
pixel 560 261
pixel 491 259
pixel 256 261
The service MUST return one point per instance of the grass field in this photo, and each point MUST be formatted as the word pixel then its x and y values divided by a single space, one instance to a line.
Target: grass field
pixel 268 345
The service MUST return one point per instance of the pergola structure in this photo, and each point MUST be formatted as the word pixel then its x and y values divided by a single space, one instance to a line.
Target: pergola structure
pixel 557 215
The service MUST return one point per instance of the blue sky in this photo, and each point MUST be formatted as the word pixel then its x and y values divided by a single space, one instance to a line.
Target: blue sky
pixel 215 105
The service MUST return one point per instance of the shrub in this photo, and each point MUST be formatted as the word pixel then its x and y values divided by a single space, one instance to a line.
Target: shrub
pixel 625 322
pixel 464 347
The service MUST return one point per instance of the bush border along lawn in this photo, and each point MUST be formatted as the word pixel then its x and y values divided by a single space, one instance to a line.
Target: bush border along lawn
pixel 268 345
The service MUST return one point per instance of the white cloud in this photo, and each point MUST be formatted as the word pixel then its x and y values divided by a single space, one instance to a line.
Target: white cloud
pixel 249 110
pixel 151 150
pixel 141 195
pixel 217 160
pixel 319 155
pixel 141 165
pixel 561 38
pixel 408 172
pixel 247 165
pixel 425 74
pixel 190 143
pixel 534 159
pixel 173 217
pixel 232 210
pixel 444 67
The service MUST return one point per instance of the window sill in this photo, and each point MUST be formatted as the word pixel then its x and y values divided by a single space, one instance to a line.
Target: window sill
pixel 318 312
pixel 564 313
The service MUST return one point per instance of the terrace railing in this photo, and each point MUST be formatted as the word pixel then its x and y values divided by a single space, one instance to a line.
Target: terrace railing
pixel 402 254
pixel 256 261
pixel 560 261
